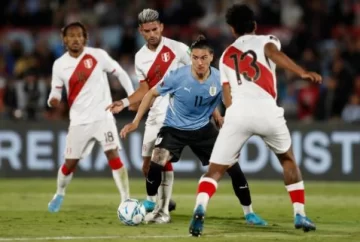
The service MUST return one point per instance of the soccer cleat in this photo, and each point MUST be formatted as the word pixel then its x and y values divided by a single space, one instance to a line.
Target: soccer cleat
pixel 151 215
pixel 55 204
pixel 161 218
pixel 254 219
pixel 149 205
pixel 197 222
pixel 303 222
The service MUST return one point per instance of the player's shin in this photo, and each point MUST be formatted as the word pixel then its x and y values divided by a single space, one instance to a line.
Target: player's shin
pixel 63 179
pixel 241 187
pixel 120 176
pixel 153 180
pixel 297 196
pixel 206 189
pixel 165 189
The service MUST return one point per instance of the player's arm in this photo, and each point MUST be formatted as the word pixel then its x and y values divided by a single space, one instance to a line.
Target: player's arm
pixel 226 89
pixel 168 85
pixel 185 57
pixel 283 61
pixel 123 77
pixel 56 88
pixel 226 95
pixel 143 108
pixel 135 98
pixel 219 120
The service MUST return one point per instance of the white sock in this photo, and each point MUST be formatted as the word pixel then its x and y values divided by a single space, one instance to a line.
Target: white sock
pixel 202 199
pixel 165 190
pixel 299 208
pixel 122 182
pixel 247 209
pixel 296 192
pixel 62 182
pixel 151 198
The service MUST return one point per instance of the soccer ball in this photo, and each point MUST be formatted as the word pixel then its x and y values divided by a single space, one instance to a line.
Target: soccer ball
pixel 131 212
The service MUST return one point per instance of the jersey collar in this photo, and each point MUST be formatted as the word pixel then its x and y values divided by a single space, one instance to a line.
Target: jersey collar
pixel 245 37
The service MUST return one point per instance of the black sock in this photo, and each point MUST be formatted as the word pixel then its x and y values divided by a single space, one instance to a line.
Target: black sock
pixel 153 179
pixel 240 185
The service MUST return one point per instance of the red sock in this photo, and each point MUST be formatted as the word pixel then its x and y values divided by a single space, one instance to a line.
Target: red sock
pixel 296 192
pixel 207 188
pixel 66 171
pixel 207 185
pixel 168 166
pixel 115 163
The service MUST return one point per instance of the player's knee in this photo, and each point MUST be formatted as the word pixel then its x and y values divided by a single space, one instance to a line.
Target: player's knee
pixel 112 154
pixel 70 164
pixel 216 171
pixel 160 156
pixel 287 158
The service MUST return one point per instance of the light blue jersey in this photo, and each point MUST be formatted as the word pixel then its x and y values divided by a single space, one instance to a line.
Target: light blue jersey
pixel 191 102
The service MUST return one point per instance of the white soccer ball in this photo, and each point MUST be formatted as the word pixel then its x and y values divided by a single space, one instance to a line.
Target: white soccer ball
pixel 131 212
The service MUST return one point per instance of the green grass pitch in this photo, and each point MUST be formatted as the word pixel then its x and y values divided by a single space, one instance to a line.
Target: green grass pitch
pixel 89 212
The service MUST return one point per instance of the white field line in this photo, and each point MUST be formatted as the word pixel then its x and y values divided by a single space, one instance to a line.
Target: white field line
pixel 112 237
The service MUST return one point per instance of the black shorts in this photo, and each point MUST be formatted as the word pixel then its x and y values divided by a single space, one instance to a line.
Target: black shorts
pixel 200 141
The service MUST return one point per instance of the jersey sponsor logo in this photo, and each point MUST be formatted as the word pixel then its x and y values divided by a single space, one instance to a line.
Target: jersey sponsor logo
pixel 88 63
pixel 165 56
pixel 187 89
pixel 80 76
pixel 212 91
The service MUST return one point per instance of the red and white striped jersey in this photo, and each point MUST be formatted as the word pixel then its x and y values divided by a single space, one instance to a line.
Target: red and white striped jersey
pixel 244 66
pixel 87 84
pixel 151 67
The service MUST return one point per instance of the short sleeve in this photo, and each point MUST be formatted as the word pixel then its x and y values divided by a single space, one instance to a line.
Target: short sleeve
pixel 223 77
pixel 168 85
pixel 273 39
pixel 185 54
pixel 139 73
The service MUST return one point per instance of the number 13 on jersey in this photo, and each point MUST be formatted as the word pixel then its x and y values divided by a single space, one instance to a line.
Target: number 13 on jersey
pixel 246 64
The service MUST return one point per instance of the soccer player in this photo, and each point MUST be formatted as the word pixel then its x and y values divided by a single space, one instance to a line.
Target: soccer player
pixel 82 71
pixel 156 58
pixel 247 71
pixel 195 92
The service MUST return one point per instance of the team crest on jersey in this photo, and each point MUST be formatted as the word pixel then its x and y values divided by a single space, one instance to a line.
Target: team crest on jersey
pixel 88 63
pixel 165 56
pixel 212 91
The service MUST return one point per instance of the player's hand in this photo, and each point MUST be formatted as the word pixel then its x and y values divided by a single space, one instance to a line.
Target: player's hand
pixel 54 102
pixel 115 107
pixel 219 121
pixel 146 168
pixel 312 76
pixel 127 129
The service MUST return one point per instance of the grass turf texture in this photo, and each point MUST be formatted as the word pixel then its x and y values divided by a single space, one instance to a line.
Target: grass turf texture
pixel 89 212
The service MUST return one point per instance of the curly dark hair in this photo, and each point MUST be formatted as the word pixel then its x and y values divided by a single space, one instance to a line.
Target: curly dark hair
pixel 74 24
pixel 241 18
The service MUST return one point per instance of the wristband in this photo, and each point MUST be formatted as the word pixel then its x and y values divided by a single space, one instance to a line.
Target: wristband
pixel 125 102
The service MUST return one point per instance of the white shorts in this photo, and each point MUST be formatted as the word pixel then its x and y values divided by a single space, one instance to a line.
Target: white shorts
pixel 153 125
pixel 150 135
pixel 239 125
pixel 81 139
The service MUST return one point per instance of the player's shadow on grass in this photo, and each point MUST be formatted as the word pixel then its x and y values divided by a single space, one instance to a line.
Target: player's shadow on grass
pixel 235 225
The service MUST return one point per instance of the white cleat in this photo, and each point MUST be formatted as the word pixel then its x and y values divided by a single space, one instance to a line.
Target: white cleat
pixel 161 218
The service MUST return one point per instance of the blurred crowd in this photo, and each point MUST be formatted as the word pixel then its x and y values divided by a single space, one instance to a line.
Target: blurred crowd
pixel 322 35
